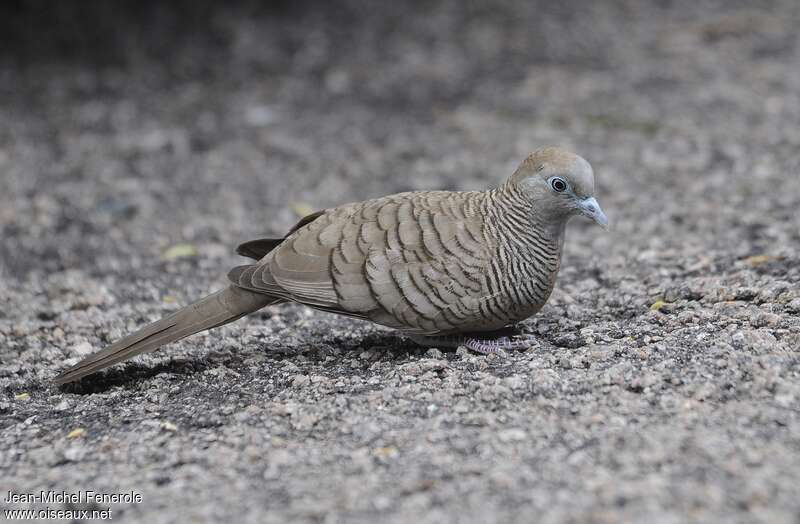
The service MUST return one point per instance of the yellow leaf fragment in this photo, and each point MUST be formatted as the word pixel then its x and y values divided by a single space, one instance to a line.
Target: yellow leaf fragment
pixel 757 260
pixel 179 251
pixel 658 304
pixel 22 396
pixel 387 451
pixel 301 209
pixel 76 433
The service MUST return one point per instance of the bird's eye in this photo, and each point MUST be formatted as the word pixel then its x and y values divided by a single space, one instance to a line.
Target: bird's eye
pixel 558 184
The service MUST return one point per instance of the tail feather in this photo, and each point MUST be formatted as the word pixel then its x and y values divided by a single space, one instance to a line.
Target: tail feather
pixel 216 309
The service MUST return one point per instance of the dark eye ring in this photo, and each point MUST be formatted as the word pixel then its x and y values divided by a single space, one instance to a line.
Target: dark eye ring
pixel 558 184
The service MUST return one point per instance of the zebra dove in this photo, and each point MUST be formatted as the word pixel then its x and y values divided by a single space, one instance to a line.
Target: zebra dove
pixel 444 267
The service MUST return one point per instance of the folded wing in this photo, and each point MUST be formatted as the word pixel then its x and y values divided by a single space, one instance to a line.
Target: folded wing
pixel 414 261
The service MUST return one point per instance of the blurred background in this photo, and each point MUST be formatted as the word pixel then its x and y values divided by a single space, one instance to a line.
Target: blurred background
pixel 141 141
pixel 146 123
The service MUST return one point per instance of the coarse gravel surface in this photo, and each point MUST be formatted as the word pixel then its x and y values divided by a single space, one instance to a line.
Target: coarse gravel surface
pixel 665 384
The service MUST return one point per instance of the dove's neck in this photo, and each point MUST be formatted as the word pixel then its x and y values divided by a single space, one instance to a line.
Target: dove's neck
pixel 528 249
pixel 516 218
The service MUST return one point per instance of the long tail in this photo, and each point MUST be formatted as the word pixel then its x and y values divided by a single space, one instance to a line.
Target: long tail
pixel 219 308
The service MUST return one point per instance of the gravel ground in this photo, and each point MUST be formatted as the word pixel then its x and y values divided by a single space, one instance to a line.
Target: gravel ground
pixel 665 386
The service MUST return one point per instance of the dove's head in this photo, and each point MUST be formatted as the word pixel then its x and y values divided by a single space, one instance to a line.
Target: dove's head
pixel 558 184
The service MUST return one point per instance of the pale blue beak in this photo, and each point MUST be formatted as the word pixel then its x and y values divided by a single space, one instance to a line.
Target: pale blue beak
pixel 591 209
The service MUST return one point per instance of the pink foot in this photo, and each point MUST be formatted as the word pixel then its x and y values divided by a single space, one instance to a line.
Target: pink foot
pixel 486 343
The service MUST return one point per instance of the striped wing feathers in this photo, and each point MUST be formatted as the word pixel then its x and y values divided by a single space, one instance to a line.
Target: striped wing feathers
pixel 413 261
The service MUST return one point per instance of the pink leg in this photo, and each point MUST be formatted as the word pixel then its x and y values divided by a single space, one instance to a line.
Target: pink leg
pixel 487 343
pixel 498 345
